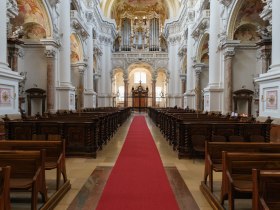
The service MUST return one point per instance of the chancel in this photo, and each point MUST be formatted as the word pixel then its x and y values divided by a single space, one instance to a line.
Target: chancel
pixel 93 75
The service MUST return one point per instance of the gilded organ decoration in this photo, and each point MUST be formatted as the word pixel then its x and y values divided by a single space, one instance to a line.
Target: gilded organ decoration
pixel 140 24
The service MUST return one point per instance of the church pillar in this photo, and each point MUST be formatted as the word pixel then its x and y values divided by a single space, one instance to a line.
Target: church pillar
pixel 264 54
pixel 89 94
pixel 275 61
pixel 228 82
pixel 9 103
pixel 183 86
pixel 213 91
pixel 3 35
pixel 154 92
pixel 66 90
pixel 198 69
pixel 269 82
pixel 81 88
pixel 125 92
pixel 188 96
pixel 50 53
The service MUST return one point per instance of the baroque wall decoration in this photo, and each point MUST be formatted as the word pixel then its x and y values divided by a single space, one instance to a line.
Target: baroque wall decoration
pixel 33 12
pixel 6 96
pixel 271 99
pixel 76 52
pixel 247 33
pixel 249 13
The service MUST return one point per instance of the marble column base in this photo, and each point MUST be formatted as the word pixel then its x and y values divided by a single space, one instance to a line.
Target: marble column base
pixel 65 98
pixel 213 99
pixel 189 100
pixel 89 99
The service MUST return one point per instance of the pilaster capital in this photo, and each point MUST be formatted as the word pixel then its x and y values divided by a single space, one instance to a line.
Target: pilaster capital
pixel 96 76
pixel 183 77
pixel 229 52
pixel 50 51
pixel 198 67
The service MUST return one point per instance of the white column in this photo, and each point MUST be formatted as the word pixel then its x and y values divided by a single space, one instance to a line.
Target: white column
pixel 212 93
pixel 214 61
pixel 275 61
pixel 8 79
pixel 65 51
pixel 89 93
pixel 66 94
pixel 3 35
pixel 269 82
pixel 189 95
pixel 90 64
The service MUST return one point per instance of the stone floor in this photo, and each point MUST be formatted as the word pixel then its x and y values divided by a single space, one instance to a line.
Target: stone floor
pixel 79 169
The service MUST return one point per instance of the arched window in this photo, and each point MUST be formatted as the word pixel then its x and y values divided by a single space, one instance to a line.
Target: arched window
pixel 140 76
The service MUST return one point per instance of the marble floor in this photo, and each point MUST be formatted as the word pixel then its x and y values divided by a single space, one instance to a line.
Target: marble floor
pixel 79 169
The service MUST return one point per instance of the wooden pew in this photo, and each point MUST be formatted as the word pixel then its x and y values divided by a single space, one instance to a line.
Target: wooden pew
pixel 213 154
pixel 237 173
pixel 210 128
pixel 27 172
pixel 5 188
pixel 266 190
pixel 84 132
pixel 55 154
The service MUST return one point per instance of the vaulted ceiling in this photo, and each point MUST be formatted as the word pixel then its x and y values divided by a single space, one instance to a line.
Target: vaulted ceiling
pixel 167 8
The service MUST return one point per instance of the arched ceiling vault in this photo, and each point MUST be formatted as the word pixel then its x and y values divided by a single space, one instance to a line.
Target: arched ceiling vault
pixel 172 6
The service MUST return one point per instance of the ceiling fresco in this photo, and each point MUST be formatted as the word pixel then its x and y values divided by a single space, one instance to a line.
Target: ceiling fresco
pixel 33 17
pixel 168 8
pixel 137 9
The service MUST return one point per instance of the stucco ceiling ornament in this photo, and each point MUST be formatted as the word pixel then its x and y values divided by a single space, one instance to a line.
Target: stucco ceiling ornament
pixel 53 3
pixel 135 9
pixel 225 2
pixel 266 14
pixel 12 8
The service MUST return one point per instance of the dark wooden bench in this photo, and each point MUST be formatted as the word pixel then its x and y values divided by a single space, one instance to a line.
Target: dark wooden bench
pixel 5 188
pixel 27 172
pixel 237 173
pixel 266 190
pixel 55 154
pixel 226 129
pixel 84 132
pixel 213 154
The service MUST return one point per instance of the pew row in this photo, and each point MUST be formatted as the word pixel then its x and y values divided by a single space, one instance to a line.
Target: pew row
pixel 213 154
pixel 237 173
pixel 55 154
pixel 85 133
pixel 210 129
pixel 266 188
pixel 5 188
pixel 27 172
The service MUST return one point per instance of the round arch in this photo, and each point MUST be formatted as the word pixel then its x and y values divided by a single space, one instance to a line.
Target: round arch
pixel 203 47
pixel 235 21
pixel 77 51
pixel 173 7
pixel 35 19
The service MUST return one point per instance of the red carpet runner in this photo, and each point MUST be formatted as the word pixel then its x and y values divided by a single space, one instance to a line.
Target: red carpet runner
pixel 138 180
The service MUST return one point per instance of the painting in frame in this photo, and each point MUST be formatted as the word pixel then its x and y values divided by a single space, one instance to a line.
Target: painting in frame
pixel 271 99
pixel 5 96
